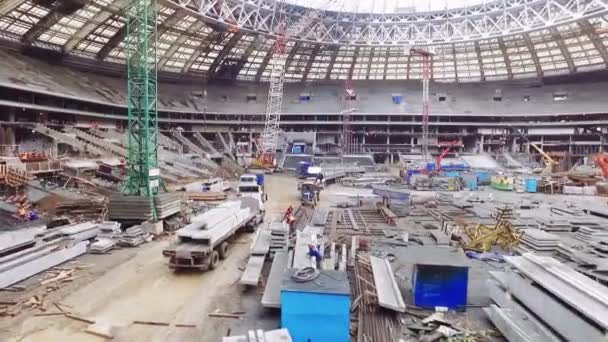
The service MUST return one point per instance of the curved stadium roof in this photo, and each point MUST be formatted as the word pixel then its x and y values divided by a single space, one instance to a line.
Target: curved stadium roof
pixel 472 41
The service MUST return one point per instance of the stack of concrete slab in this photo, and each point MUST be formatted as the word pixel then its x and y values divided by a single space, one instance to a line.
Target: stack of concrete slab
pixel 554 225
pixel 257 255
pixel 109 230
pixel 279 335
pixel 272 291
pixel 541 299
pixel 536 240
pixel 279 237
pixel 387 289
pixel 132 237
pixel 309 235
pixel 18 239
pixel 27 265
pixel 102 245
pixel 139 208
pixel 216 224
pixel 590 233
pixel 81 231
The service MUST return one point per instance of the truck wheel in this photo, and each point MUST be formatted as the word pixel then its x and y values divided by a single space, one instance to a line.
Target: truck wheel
pixel 223 250
pixel 214 259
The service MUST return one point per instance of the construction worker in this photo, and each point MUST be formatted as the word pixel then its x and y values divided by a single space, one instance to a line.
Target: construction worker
pixel 289 217
pixel 314 251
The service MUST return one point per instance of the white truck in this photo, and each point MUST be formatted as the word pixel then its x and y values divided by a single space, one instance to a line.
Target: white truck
pixel 204 242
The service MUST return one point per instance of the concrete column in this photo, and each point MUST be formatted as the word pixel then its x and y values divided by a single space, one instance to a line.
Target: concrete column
pixel 363 140
pixel 11 114
pixel 412 141
pixel 481 143
pixel 514 145
pixel 388 142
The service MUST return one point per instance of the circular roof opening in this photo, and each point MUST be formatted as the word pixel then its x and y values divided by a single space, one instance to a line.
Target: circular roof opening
pixel 387 6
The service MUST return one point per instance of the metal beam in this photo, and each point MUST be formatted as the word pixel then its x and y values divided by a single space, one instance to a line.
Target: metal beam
pixel 530 46
pixel 100 18
pixel 352 66
pixel 264 64
pixel 217 62
pixel 41 26
pixel 332 61
pixel 482 75
pixel 120 35
pixel 7 6
pixel 371 60
pixel 595 39
pixel 193 29
pixel 212 38
pixel 455 62
pixel 388 53
pixel 255 43
pixel 563 48
pixel 292 53
pixel 503 50
pixel 453 25
pixel 311 60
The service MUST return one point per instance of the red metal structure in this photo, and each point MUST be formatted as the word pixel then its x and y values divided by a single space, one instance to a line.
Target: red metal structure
pixel 602 162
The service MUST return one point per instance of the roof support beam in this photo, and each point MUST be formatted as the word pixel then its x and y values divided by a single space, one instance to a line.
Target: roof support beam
pixel 121 34
pixel 503 49
pixel 388 52
pixel 212 38
pixel 409 65
pixel 311 60
pixel 482 74
pixel 255 44
pixel 193 29
pixel 371 60
pixel 41 26
pixel 294 49
pixel 595 39
pixel 352 66
pixel 8 6
pixel 530 46
pixel 455 63
pixel 332 61
pixel 217 62
pixel 562 47
pixel 118 37
pixel 104 15
pixel 265 62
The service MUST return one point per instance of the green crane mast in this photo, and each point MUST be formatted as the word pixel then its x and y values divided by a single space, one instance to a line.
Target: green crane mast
pixel 143 177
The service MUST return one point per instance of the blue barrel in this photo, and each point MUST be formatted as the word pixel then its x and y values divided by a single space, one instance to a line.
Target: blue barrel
pixel 484 177
pixel 531 185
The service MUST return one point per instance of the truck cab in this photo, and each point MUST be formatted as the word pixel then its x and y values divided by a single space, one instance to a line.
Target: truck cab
pixel 250 185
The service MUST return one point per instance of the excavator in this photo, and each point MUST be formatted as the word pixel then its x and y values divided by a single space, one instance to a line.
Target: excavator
pixel 550 164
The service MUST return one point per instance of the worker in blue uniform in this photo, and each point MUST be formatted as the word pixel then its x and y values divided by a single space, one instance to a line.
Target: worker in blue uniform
pixel 314 251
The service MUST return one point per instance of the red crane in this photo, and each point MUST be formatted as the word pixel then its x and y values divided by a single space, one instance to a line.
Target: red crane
pixel 602 162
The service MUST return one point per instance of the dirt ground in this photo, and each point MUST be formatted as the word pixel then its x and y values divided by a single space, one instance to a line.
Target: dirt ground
pixel 136 284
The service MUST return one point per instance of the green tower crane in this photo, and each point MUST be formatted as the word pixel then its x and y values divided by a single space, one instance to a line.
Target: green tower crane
pixel 143 177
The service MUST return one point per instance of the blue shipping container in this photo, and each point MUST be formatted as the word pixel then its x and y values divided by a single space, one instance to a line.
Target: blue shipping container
pixel 445 286
pixel 531 185
pixel 471 181
pixel 317 311
pixel 452 174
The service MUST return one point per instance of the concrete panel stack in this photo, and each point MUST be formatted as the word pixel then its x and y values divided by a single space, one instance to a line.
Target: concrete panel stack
pixel 81 231
pixel 132 237
pixel 536 240
pixel 109 230
pixel 540 298
pixel 102 246
pixel 279 237
pixel 554 225
pixel 590 233
pixel 279 335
